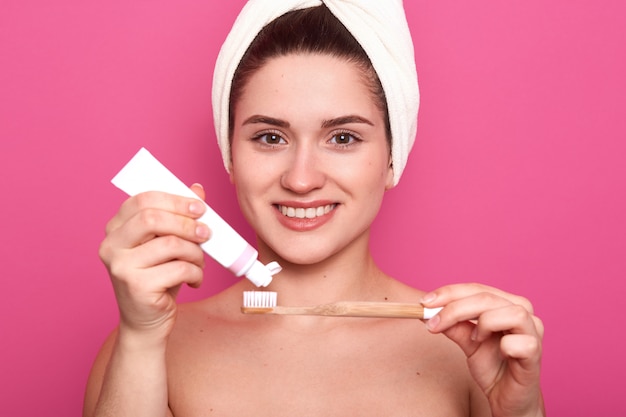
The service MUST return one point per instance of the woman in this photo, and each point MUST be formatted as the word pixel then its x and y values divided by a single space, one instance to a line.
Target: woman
pixel 313 140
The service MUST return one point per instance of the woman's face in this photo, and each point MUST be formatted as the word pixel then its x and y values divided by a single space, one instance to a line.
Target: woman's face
pixel 310 158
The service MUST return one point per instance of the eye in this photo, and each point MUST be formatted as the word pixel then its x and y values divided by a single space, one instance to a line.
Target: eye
pixel 269 138
pixel 344 138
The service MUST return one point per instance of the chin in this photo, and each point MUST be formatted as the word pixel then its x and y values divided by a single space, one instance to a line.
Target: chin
pixel 304 257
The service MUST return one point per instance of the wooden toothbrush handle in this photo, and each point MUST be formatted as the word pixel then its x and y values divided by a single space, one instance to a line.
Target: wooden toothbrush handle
pixel 358 309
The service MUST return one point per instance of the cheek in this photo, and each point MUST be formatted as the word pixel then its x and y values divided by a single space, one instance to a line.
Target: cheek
pixel 240 161
pixel 381 179
pixel 240 177
pixel 231 176
pixel 389 179
pixel 251 174
pixel 380 172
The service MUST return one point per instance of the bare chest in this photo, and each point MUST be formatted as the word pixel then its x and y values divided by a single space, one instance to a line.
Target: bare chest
pixel 364 373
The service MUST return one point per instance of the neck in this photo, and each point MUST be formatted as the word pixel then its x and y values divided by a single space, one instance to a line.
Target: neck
pixel 350 274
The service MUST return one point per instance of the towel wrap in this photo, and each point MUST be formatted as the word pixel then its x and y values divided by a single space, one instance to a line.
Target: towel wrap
pixel 379 26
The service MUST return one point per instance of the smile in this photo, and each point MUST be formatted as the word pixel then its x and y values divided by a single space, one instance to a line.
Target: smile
pixel 306 213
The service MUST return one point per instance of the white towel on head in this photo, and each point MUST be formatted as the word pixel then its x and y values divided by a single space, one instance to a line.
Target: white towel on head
pixel 381 29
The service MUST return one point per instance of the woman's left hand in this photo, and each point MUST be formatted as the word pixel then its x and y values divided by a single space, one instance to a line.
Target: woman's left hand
pixel 501 338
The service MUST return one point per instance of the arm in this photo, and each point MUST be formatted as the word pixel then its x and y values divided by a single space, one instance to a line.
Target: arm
pixel 127 379
pixel 501 337
pixel 150 250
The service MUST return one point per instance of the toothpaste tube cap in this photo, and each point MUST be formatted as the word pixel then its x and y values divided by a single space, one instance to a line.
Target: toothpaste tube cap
pixel 261 275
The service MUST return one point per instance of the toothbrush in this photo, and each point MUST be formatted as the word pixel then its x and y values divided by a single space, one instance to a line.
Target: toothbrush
pixel 265 302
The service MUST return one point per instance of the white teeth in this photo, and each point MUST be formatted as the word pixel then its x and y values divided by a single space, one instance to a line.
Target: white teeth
pixel 308 213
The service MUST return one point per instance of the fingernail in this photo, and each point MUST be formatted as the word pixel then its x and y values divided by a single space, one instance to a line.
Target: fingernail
pixel 202 231
pixel 432 323
pixel 197 184
pixel 429 298
pixel 196 207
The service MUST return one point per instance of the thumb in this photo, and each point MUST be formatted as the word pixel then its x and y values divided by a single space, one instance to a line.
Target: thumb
pixel 198 190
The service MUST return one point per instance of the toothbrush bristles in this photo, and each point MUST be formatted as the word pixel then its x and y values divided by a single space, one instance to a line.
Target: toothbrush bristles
pixel 262 299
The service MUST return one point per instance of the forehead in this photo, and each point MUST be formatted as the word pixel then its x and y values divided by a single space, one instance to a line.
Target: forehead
pixel 307 83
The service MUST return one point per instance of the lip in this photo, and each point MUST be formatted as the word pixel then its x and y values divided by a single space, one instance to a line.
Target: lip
pixel 304 224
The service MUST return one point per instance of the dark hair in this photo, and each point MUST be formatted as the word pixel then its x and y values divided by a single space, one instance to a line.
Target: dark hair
pixel 313 30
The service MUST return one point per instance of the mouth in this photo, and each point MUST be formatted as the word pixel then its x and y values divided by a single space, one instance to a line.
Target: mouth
pixel 305 212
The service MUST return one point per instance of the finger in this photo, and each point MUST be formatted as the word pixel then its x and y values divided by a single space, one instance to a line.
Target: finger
pixel 511 326
pixel 137 268
pixel 149 223
pixel 174 273
pixel 185 206
pixel 449 293
pixel 468 308
pixel 164 249
pixel 460 334
pixel 539 326
pixel 198 189
pixel 522 347
pixel 525 354
pixel 163 278
pixel 510 319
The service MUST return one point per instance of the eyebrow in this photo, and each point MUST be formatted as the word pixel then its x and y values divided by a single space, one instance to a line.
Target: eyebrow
pixel 344 120
pixel 266 120
pixel 337 121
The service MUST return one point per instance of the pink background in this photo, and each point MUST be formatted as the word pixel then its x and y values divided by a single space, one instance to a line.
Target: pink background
pixel 517 178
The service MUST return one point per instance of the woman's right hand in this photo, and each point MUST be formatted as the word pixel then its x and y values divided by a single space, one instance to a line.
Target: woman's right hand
pixel 152 248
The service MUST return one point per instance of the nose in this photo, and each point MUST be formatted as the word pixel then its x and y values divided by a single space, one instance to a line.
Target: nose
pixel 304 171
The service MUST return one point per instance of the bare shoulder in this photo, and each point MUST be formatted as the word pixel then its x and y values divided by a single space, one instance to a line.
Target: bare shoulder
pixel 205 325
pixel 440 352
pixel 96 375
pixel 445 361
pixel 400 291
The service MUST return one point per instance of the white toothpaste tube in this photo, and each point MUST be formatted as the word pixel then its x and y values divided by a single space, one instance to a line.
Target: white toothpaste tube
pixel 145 173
